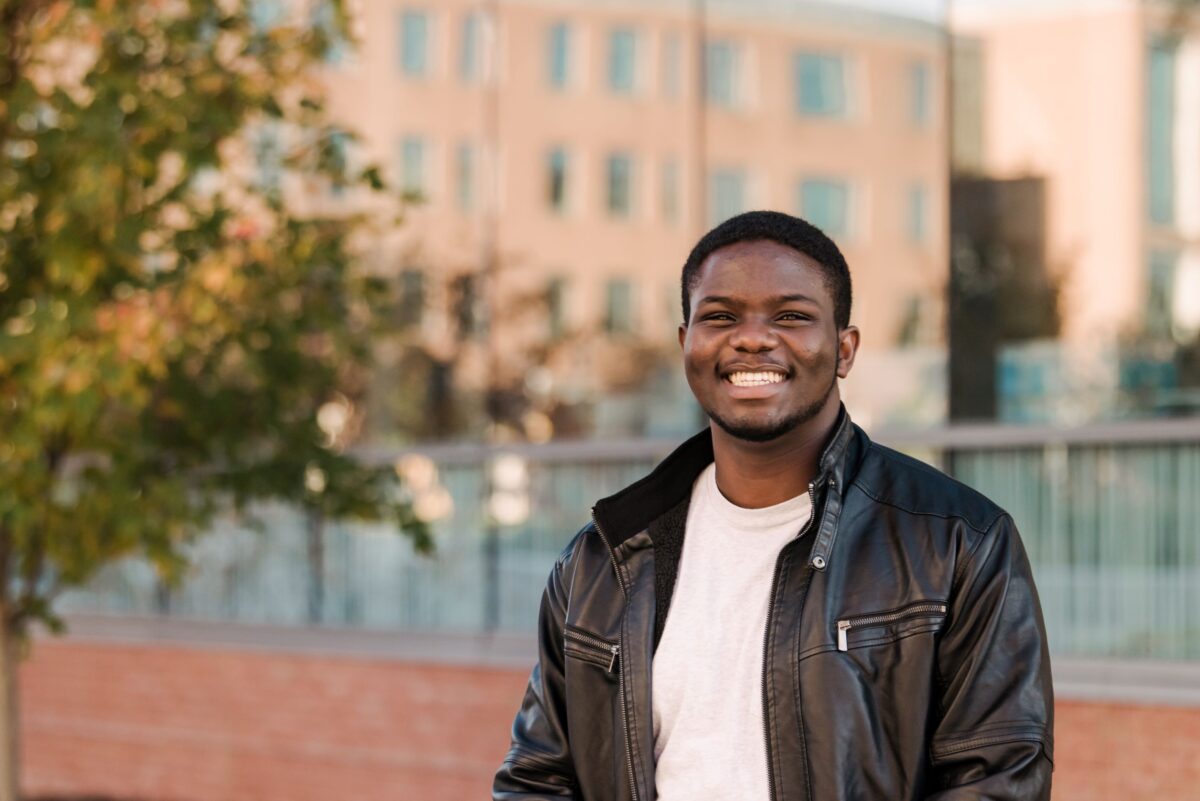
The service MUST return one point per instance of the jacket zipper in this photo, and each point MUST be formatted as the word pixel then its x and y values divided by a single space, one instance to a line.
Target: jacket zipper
pixel 867 621
pixel 611 647
pixel 621 676
pixel 767 639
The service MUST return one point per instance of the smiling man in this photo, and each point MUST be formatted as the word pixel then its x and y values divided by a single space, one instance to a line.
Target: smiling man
pixel 784 609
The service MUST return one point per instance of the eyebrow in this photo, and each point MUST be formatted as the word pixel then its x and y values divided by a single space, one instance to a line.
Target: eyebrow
pixel 776 299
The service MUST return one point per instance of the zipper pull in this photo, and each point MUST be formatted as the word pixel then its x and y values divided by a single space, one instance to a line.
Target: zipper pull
pixel 612 665
pixel 843 627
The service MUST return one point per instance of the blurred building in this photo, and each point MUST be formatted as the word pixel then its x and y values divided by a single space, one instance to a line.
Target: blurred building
pixel 574 152
pixel 1100 104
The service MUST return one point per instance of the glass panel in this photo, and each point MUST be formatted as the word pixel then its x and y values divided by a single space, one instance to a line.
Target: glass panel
pixel 556 179
pixel 671 66
pixel 1160 132
pixel 464 160
pixel 620 189
pixel 727 195
pixel 414 43
pixel 826 204
pixel 558 54
pixel 618 307
pixel 919 93
pixel 622 60
pixel 720 73
pixel 412 166
pixel 820 84
pixel 468 60
pixel 918 214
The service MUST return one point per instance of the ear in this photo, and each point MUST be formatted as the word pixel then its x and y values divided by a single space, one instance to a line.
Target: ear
pixel 848 339
pixel 682 334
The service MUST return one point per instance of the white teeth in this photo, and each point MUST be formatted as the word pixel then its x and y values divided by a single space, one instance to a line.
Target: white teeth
pixel 746 379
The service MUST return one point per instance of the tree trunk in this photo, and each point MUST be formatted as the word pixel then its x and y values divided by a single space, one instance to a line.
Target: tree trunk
pixel 10 765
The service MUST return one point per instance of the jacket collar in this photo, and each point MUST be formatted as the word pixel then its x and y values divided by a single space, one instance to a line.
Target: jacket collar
pixel 633 509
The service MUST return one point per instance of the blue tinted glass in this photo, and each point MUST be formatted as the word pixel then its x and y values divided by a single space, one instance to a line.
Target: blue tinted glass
pixel 468 63
pixel 820 84
pixel 1160 133
pixel 620 177
pixel 917 216
pixel 918 80
pixel 414 45
pixel 412 165
pixel 622 54
pixel 556 179
pixel 558 50
pixel 825 204
pixel 719 73
pixel 727 195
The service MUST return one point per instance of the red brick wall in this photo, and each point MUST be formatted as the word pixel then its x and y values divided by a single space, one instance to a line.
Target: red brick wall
pixel 170 723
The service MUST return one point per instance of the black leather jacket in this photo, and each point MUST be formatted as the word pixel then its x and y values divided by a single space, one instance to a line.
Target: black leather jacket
pixel 904 655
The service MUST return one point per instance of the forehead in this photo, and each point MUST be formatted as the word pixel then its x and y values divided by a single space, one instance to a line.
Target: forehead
pixel 761 267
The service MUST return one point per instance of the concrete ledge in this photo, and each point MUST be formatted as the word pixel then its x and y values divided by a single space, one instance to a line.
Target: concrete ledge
pixel 1085 679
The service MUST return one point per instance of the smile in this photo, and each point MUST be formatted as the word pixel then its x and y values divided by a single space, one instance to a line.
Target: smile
pixel 755 379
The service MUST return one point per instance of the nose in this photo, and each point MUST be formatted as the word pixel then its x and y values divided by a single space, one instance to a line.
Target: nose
pixel 753 336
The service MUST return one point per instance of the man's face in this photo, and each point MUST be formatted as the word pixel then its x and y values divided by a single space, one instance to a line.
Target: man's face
pixel 761 350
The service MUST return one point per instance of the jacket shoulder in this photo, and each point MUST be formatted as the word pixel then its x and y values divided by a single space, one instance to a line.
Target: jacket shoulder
pixel 910 485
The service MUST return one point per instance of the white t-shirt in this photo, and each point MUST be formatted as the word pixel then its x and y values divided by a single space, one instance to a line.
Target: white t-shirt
pixel 707 672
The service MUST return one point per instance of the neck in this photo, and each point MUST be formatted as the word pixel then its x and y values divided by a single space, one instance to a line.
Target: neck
pixel 758 474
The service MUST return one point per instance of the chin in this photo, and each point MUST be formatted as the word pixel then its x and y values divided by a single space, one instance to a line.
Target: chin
pixel 755 430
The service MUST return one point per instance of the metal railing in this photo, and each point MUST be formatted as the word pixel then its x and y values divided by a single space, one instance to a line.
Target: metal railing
pixel 1110 516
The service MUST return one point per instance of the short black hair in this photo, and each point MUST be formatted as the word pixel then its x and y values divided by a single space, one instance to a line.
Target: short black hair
pixel 789 231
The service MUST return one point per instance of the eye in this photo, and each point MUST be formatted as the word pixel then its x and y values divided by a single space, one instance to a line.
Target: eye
pixel 793 317
pixel 717 317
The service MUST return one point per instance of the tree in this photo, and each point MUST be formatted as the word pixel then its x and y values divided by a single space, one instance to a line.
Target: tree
pixel 183 333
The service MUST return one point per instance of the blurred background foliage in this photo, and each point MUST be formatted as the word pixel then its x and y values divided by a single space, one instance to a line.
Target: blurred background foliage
pixel 178 339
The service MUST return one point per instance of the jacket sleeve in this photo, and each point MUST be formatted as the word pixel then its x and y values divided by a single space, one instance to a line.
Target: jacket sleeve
pixel 539 765
pixel 993 737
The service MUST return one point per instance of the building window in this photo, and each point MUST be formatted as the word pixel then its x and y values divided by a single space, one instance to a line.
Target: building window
pixel 820 85
pixel 558 55
pixel 464 176
pixel 557 164
pixel 619 194
pixel 268 156
pixel 469 63
pixel 726 195
pixel 556 308
pixel 1160 132
pixel 721 74
pixel 825 203
pixel 618 306
pixel 622 60
pixel 467 306
pixel 338 48
pixel 1160 296
pixel 671 65
pixel 339 161
pixel 917 217
pixel 918 94
pixel 411 306
pixel 670 190
pixel 414 43
pixel 413 181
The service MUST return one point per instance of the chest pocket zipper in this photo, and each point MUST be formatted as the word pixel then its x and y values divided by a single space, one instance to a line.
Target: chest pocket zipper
pixel 845 625
pixel 592 649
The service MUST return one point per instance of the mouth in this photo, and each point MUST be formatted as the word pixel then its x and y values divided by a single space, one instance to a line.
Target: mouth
pixel 755 378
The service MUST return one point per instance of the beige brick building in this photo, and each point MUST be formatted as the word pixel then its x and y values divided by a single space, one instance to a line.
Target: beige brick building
pixel 586 145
